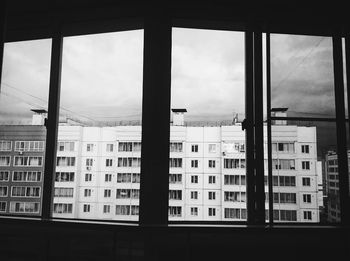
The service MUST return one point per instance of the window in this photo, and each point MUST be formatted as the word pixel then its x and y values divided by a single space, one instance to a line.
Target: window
pixel 109 148
pixel 174 211
pixel 305 149
pixel 29 146
pixel 284 181
pixel 212 148
pixel 128 193
pixel 89 162
pixel 194 211
pixel 284 198
pixel 88 177
pixel 307 215
pixel 129 146
pixel 306 182
pixel 211 180
pixel 5 145
pixel 175 178
pixel 211 212
pixel 211 163
pixel 109 162
pixel 87 192
pixel 283 164
pixel 231 163
pixel 307 198
pixel 64 192
pixel 65 177
pixel 194 194
pixel 194 179
pixel 234 213
pixel 4 175
pixel 30 192
pixel 305 165
pixel 194 163
pixel 5 160
pixel 28 161
pixel 122 210
pixel 65 161
pixel 108 177
pixel 175 163
pixel 3 191
pixel 106 209
pixel 3 206
pixel 136 178
pixel 134 210
pixel 124 178
pixel 90 147
pixel 86 208
pixel 129 162
pixel 175 147
pixel 107 193
pixel 65 146
pixel 194 148
pixel 24 207
pixel 211 195
pixel 175 194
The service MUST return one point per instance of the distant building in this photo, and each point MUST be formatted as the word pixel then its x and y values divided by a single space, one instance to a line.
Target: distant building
pixel 98 172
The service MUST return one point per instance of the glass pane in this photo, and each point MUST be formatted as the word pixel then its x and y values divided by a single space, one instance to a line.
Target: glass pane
pixel 207 144
pixel 23 109
pixel 99 139
pixel 301 154
pixel 302 75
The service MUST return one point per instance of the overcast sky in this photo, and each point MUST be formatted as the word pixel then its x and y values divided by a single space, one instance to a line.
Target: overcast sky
pixel 102 75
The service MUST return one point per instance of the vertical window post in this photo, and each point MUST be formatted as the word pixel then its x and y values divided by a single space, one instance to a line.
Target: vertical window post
pixel 155 119
pixel 341 128
pixel 52 121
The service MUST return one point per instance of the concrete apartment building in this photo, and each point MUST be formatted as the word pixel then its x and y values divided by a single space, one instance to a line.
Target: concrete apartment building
pixel 98 172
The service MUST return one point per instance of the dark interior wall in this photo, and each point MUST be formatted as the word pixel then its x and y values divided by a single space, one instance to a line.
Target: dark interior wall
pixel 34 240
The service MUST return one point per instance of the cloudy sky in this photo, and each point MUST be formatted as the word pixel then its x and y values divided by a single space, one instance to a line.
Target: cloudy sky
pixel 102 76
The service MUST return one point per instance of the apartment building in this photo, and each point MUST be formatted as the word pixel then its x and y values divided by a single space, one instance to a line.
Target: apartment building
pixel 22 153
pixel 98 172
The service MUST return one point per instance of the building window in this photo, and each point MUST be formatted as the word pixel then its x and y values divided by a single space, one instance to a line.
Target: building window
pixel 129 162
pixel 284 198
pixel 128 193
pixel 106 209
pixel 194 179
pixel 4 175
pixel 124 178
pixel 194 148
pixel 109 148
pixel 232 213
pixel 86 208
pixel 5 160
pixel 134 210
pixel 284 164
pixel 211 195
pixel 87 192
pixel 129 146
pixel 64 192
pixel 307 215
pixel 284 181
pixel 175 163
pixel 194 194
pixel 231 163
pixel 5 145
pixel 175 178
pixel 109 162
pixel 136 178
pixel 305 165
pixel 3 206
pixel 108 177
pixel 28 161
pixel 90 147
pixel 174 211
pixel 88 177
pixel 175 194
pixel 211 212
pixel 64 176
pixel 307 198
pixel 30 192
pixel 212 148
pixel 175 147
pixel 194 211
pixel 306 182
pixel 194 163
pixel 107 193
pixel 24 207
pixel 65 161
pixel 89 162
pixel 122 210
pixel 212 179
pixel 65 146
pixel 211 163
pixel 305 149
pixel 29 146
pixel 3 191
